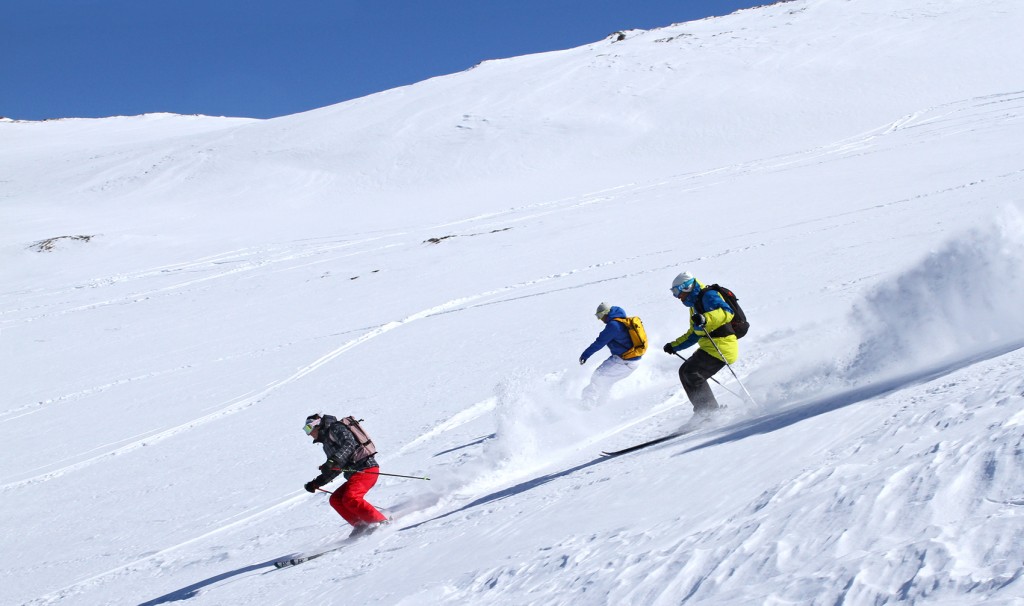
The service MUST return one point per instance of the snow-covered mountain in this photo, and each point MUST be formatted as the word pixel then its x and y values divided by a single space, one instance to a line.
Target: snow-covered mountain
pixel 179 292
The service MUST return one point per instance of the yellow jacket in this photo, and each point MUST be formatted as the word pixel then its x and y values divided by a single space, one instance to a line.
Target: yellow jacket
pixel 717 315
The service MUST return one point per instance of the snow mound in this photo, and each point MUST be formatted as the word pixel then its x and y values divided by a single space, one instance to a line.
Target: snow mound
pixel 960 301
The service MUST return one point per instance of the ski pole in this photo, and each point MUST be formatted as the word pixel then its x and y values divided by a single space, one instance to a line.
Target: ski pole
pixel 327 491
pixel 710 338
pixel 394 475
pixel 738 396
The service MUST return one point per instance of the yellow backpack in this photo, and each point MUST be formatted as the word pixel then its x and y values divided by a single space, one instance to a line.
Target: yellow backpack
pixel 637 335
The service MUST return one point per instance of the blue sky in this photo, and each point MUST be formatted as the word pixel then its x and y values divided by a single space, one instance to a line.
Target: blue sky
pixel 263 58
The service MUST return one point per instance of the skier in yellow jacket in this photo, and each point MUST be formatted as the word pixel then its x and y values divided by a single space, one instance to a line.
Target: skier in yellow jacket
pixel 710 318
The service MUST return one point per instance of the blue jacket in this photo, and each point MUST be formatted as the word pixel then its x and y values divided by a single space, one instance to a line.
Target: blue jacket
pixel 615 335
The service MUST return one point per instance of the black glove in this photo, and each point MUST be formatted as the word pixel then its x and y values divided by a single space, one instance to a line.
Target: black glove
pixel 698 320
pixel 583 361
pixel 669 349
pixel 311 486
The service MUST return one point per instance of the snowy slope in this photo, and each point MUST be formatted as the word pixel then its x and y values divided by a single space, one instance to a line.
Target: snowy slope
pixel 852 169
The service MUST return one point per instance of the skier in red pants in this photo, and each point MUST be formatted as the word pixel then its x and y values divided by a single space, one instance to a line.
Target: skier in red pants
pixel 346 455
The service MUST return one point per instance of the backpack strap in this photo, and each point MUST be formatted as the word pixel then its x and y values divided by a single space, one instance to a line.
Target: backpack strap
pixel 725 329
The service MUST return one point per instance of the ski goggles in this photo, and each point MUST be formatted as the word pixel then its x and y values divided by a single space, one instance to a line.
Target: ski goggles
pixel 682 289
pixel 310 425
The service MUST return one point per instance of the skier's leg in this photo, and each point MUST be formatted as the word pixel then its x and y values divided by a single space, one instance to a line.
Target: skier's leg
pixel 351 504
pixel 594 393
pixel 340 505
pixel 611 371
pixel 694 373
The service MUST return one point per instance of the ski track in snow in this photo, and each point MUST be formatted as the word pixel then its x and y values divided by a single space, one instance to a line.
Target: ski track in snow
pixel 247 260
pixel 27 409
pixel 457 420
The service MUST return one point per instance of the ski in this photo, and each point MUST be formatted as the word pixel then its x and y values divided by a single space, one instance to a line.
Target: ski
pixel 351 539
pixel 301 559
pixel 305 558
pixel 635 447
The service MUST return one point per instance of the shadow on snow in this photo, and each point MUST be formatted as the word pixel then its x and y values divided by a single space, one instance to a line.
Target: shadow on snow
pixel 189 592
pixel 473 443
pixel 511 491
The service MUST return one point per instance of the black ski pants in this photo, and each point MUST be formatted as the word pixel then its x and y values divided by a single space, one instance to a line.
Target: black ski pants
pixel 694 374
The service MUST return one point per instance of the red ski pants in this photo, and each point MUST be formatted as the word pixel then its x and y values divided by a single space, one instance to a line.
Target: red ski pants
pixel 348 500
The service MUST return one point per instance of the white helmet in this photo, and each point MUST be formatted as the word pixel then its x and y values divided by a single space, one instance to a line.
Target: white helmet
pixel 683 283
pixel 602 311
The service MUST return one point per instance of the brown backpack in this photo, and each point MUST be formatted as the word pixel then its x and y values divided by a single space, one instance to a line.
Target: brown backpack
pixel 366 447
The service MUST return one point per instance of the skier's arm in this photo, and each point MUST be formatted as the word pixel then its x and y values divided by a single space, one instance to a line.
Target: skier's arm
pixel 602 339
pixel 328 471
pixel 715 319
pixel 338 457
pixel 685 341
pixel 718 315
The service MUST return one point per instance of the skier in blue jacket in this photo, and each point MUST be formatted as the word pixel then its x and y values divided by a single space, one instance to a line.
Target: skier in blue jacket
pixel 615 336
